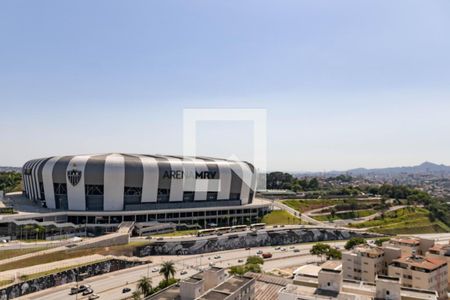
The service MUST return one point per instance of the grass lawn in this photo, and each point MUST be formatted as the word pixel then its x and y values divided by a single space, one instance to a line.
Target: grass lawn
pixel 404 221
pixel 5 254
pixel 126 250
pixel 307 205
pixel 345 215
pixel 6 282
pixel 280 217
pixel 178 233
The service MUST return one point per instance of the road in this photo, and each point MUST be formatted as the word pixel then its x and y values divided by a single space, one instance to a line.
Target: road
pixel 294 212
pixel 109 286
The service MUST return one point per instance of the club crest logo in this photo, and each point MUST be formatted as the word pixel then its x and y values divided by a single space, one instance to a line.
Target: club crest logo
pixel 74 176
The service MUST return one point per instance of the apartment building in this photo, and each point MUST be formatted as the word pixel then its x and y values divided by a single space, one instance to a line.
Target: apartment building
pixel 441 251
pixel 421 273
pixel 210 284
pixel 410 245
pixel 330 284
pixel 363 263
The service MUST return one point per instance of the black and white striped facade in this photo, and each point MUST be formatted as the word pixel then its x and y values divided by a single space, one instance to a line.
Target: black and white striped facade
pixel 116 182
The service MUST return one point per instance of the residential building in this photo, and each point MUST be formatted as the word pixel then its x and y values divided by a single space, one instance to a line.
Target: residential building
pixel 211 284
pixel 410 245
pixel 422 273
pixel 441 251
pixel 363 263
pixel 330 284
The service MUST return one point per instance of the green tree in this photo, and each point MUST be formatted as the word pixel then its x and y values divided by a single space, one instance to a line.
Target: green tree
pixel 334 253
pixel 255 268
pixel 144 286
pixel 167 270
pixel 319 249
pixel 165 283
pixel 136 295
pixel 237 270
pixel 379 242
pixel 257 260
pixel 353 242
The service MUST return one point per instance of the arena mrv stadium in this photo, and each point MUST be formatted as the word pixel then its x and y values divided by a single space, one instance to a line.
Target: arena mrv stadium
pixel 104 190
pixel 116 182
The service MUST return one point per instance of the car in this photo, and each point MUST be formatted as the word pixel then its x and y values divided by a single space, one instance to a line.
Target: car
pixel 292 247
pixel 282 226
pixel 155 270
pixel 296 250
pixel 283 249
pixel 275 226
pixel 248 248
pixel 74 291
pixel 267 255
pixel 183 272
pixel 277 248
pixel 259 252
pixel 83 287
pixel 149 237
pixel 160 238
pixel 126 290
pixel 93 296
pixel 217 257
pixel 88 291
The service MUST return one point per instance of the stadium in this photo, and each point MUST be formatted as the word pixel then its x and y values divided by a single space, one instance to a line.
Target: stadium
pixel 116 182
pixel 97 193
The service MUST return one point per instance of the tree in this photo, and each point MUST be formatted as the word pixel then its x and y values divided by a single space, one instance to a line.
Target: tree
pixel 144 286
pixel 136 295
pixel 353 242
pixel 333 212
pixel 255 268
pixel 237 270
pixel 320 249
pixel 333 253
pixel 379 242
pixel 167 270
pixel 257 260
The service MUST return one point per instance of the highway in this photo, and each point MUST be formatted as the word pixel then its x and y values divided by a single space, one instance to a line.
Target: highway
pixel 109 286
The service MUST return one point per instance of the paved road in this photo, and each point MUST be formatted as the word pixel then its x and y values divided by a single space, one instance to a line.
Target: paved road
pixel 109 286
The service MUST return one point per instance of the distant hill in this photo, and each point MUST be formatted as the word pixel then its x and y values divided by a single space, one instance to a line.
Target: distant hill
pixel 424 168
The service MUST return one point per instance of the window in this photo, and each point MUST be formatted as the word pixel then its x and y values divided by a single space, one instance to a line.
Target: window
pixel 163 195
pixel 94 190
pixel 235 196
pixel 387 293
pixel 188 196
pixel 329 284
pixel 60 188
pixel 132 191
pixel 211 196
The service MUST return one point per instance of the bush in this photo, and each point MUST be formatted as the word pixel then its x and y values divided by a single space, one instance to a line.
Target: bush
pixel 255 260
pixel 353 242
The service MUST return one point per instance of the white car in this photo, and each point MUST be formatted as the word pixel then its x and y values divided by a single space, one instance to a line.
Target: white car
pixel 155 270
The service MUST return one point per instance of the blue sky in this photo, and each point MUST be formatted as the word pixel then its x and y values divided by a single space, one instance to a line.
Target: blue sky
pixel 345 83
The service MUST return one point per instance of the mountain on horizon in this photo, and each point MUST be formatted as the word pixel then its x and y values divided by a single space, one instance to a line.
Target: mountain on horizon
pixel 424 168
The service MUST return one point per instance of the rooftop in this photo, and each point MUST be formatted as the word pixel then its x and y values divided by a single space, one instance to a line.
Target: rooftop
pixel 233 284
pixel 426 263
pixel 408 241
